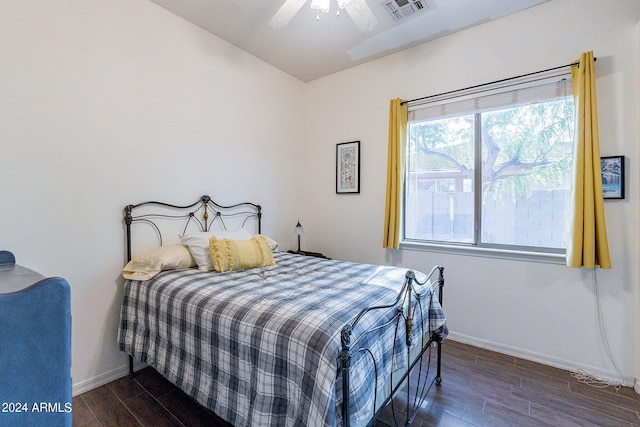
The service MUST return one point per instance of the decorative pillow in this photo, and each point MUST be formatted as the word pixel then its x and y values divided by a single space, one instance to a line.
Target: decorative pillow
pixel 198 244
pixel 150 263
pixel 227 254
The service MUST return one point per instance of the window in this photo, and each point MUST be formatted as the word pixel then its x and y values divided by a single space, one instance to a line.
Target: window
pixel 491 169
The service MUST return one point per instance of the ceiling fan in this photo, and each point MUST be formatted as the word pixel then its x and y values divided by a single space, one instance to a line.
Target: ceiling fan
pixel 359 11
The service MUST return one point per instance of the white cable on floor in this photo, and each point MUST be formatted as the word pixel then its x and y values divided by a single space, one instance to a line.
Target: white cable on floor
pixel 585 377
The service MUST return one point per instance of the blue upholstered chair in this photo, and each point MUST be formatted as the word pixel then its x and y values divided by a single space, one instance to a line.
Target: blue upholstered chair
pixel 35 347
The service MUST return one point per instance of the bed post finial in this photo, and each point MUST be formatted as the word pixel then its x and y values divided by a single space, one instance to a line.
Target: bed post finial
pixel 128 219
pixel 127 214
pixel 440 282
pixel 259 209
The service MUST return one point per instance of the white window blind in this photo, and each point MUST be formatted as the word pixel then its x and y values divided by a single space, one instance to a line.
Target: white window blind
pixel 492 97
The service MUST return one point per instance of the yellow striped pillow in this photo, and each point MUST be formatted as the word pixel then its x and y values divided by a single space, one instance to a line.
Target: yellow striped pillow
pixel 228 254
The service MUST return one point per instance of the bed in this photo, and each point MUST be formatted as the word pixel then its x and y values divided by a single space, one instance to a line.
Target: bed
pixel 279 340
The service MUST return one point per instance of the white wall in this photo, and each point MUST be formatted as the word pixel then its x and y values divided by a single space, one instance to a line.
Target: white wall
pixel 637 322
pixel 109 102
pixel 543 312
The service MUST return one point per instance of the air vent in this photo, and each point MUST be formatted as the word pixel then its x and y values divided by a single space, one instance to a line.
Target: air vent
pixel 403 9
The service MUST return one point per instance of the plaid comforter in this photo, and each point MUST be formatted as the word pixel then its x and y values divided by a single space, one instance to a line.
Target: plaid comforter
pixel 260 347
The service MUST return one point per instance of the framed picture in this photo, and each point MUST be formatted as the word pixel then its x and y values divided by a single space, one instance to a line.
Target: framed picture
pixel 348 167
pixel 612 177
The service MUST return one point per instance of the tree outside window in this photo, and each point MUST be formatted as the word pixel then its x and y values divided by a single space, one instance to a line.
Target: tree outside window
pixel 496 178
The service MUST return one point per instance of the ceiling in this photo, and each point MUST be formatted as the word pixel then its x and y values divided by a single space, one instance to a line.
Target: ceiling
pixel 307 48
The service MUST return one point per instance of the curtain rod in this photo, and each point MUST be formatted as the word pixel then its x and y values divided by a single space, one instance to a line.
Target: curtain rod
pixel 494 82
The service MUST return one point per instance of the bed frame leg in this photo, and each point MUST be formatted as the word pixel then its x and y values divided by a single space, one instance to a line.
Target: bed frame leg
pixel 131 372
pixel 439 364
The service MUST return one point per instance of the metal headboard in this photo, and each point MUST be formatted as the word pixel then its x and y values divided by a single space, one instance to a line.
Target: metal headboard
pixel 203 214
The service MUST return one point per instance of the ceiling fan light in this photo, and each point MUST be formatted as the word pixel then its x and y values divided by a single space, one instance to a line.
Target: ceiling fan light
pixel 322 5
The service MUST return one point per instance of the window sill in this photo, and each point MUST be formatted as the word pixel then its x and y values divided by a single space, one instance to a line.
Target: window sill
pixel 530 256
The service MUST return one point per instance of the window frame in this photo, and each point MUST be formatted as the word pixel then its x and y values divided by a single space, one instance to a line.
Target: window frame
pixel 478 247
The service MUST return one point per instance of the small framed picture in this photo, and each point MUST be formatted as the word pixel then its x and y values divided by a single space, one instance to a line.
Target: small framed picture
pixel 612 177
pixel 348 167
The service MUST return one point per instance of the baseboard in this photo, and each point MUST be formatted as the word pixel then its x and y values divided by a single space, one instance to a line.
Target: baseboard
pixel 604 375
pixel 104 378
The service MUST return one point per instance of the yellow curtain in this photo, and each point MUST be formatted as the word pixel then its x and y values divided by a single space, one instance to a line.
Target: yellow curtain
pixel 588 244
pixel 397 137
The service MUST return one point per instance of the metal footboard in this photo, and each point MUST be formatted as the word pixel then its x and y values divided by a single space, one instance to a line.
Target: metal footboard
pixel 412 297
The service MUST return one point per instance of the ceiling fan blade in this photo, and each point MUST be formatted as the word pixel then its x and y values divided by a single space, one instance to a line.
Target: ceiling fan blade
pixel 361 14
pixel 287 11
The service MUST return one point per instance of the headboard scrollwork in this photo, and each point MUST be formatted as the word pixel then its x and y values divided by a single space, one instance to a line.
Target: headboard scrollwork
pixel 203 215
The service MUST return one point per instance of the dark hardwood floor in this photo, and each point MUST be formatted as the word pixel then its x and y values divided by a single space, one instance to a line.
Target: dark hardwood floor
pixel 479 388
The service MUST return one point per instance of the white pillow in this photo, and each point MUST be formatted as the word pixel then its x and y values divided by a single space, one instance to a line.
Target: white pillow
pixel 272 243
pixel 198 244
